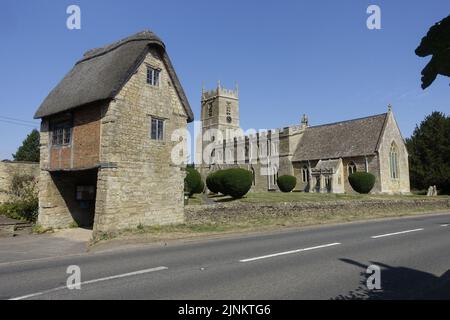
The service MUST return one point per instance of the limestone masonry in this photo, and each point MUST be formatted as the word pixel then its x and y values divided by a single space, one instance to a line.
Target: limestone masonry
pixel 8 169
pixel 107 143
pixel 320 157
pixel 106 140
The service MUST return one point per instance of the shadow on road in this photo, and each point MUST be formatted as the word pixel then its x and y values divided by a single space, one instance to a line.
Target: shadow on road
pixel 400 283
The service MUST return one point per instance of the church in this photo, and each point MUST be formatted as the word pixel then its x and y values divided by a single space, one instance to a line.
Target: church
pixel 321 157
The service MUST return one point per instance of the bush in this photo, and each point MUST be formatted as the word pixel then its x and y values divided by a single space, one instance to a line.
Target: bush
pixel 24 204
pixel 235 182
pixel 286 183
pixel 193 182
pixel 362 182
pixel 211 182
pixel 20 210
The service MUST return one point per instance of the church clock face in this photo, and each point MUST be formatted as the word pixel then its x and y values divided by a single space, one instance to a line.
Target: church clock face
pixel 229 119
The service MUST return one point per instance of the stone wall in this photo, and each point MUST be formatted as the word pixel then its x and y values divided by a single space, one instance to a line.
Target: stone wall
pixel 240 210
pixel 392 135
pixel 143 185
pixel 8 169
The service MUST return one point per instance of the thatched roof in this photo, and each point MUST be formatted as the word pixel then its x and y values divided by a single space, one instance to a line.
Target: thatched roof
pixel 101 73
pixel 358 137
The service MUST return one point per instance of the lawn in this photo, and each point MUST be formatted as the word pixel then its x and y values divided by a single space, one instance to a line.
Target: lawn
pixel 258 197
pixel 222 223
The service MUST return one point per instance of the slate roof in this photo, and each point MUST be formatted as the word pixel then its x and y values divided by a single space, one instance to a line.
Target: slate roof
pixel 102 72
pixel 327 164
pixel 358 137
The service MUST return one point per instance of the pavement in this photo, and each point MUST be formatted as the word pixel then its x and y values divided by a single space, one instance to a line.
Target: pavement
pixel 28 247
pixel 327 262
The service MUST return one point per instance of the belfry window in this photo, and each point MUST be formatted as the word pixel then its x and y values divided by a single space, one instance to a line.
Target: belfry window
pixel 210 110
pixel 228 110
pixel 393 161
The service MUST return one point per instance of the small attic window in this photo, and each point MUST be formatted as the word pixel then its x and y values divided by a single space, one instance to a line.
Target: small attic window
pixel 153 76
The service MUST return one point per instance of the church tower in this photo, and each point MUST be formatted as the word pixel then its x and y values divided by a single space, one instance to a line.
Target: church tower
pixel 220 110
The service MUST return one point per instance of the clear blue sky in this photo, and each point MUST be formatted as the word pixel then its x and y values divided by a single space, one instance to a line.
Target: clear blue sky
pixel 289 57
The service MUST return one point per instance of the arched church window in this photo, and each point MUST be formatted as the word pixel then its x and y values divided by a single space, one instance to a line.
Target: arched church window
pixel 393 161
pixel 274 148
pixel 305 175
pixel 253 176
pixel 351 168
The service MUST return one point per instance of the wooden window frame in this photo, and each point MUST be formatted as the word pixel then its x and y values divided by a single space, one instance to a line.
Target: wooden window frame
pixel 159 134
pixel 153 76
pixel 61 134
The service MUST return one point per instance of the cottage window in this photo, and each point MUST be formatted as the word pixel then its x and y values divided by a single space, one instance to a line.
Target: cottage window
pixel 393 161
pixel 61 134
pixel 157 130
pixel 153 76
pixel 351 168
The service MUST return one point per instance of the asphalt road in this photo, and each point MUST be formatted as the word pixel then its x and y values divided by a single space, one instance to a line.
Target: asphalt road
pixel 326 262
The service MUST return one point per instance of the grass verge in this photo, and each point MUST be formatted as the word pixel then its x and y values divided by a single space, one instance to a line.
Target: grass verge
pixel 190 230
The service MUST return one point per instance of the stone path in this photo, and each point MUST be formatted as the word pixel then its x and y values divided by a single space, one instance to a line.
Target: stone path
pixel 32 246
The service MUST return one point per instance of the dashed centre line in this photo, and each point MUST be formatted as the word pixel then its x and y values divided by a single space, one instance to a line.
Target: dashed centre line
pixel 289 252
pixel 129 274
pixel 396 233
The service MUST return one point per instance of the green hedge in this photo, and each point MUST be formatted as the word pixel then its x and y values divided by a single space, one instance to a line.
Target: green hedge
pixel 193 182
pixel 362 182
pixel 286 183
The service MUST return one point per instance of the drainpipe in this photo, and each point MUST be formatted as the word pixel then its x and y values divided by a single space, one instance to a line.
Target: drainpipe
pixel 367 164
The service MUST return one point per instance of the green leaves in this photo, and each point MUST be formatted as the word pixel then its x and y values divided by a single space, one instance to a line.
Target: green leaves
pixel 437 44
pixel 286 183
pixel 429 153
pixel 29 151
pixel 362 182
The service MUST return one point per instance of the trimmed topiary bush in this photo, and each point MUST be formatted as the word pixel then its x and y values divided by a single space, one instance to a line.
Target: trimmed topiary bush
pixel 235 182
pixel 193 182
pixel 216 182
pixel 362 182
pixel 211 182
pixel 286 183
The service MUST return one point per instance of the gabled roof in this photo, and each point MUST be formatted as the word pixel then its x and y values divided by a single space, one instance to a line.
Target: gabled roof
pixel 358 137
pixel 101 73
pixel 328 164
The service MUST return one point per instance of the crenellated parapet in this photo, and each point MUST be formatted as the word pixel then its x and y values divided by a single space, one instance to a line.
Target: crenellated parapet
pixel 220 91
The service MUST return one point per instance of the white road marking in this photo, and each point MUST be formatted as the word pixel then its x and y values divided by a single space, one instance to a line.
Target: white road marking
pixel 395 233
pixel 445 225
pixel 289 252
pixel 92 281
